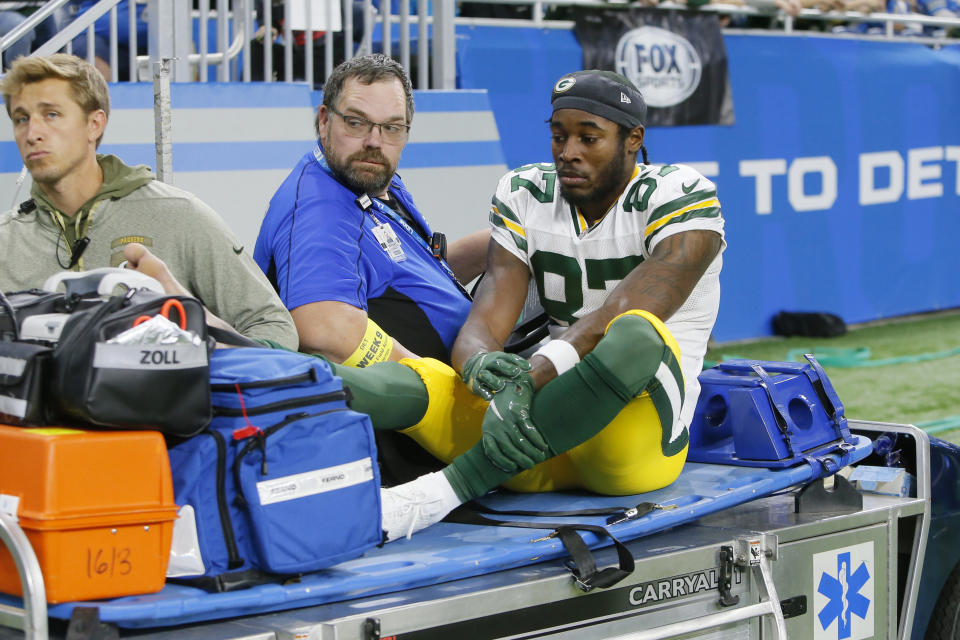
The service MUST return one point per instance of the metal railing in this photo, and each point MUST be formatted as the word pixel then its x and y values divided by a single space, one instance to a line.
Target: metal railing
pixel 172 24
pixel 778 20
pixel 235 40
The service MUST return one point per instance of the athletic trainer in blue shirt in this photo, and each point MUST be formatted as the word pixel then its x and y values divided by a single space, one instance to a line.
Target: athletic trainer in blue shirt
pixel 343 242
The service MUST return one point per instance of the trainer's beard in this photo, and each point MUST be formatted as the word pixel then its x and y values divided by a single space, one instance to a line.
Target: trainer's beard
pixel 369 181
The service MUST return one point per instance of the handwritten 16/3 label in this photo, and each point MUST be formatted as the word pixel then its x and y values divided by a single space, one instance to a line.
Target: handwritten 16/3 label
pixel 108 562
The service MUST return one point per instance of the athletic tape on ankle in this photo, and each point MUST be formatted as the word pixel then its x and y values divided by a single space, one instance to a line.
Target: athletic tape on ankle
pixel 375 346
pixel 561 353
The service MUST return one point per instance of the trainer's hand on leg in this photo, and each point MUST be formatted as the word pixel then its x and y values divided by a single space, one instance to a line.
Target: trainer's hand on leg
pixel 487 373
pixel 510 439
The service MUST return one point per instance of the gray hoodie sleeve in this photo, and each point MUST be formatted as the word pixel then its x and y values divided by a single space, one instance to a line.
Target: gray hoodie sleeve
pixel 223 275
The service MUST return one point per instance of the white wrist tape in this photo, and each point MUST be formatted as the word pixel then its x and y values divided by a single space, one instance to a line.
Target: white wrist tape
pixel 561 353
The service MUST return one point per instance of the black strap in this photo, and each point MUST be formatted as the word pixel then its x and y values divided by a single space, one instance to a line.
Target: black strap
pixel 582 564
pixel 232 581
pixel 817 380
pixel 528 334
pixel 617 514
pixel 11 312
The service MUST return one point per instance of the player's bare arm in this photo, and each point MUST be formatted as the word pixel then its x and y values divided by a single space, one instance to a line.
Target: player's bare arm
pixel 659 285
pixel 496 307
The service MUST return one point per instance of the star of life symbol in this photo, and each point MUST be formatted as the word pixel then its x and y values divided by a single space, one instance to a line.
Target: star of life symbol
pixel 843 583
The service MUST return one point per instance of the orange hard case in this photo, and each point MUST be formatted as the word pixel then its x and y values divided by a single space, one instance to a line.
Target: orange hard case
pixel 96 506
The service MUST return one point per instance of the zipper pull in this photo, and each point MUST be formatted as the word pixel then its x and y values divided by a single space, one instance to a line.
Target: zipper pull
pixel 251 431
pixel 262 440
pixel 245 432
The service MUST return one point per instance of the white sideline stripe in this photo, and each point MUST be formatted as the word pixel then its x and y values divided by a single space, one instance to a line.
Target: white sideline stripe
pixel 12 366
pixel 454 126
pixel 275 124
pixel 309 483
pixel 673 393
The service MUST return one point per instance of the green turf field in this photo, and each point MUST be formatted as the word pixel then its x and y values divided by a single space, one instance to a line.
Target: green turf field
pixel 920 385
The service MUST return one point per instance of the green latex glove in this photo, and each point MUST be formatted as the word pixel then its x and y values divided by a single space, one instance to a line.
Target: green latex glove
pixel 510 439
pixel 486 373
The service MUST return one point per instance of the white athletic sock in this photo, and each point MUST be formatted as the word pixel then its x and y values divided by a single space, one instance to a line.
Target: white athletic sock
pixel 448 497
pixel 415 505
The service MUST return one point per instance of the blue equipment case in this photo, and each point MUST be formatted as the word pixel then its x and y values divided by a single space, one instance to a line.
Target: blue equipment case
pixel 767 414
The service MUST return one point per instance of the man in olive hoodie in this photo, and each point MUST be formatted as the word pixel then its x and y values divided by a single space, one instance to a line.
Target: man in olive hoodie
pixel 86 207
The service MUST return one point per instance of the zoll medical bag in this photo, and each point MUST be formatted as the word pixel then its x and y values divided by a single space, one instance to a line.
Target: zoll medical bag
pixel 97 508
pixel 767 414
pixel 283 481
pixel 136 361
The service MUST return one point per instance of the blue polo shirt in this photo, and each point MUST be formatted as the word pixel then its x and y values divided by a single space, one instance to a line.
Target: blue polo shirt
pixel 316 244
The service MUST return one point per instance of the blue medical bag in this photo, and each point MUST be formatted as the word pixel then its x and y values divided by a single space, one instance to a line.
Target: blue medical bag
pixel 285 479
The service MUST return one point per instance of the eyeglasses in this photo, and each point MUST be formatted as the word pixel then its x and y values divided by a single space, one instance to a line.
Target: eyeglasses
pixel 358 127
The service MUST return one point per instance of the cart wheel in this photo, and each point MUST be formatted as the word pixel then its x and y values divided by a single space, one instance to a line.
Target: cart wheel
pixel 945 618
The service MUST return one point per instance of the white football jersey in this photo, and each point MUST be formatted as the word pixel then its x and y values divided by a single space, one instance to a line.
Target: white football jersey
pixel 575 266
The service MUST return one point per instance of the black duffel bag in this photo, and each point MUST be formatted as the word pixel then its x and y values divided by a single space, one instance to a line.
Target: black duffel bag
pixel 98 378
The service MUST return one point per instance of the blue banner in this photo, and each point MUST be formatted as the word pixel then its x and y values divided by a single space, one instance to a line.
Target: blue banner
pixel 839 180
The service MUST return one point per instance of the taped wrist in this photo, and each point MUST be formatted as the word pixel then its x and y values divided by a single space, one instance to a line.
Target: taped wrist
pixel 560 353
pixel 375 346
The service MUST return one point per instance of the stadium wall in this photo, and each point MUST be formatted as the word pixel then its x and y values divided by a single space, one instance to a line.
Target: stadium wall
pixel 235 143
pixel 839 180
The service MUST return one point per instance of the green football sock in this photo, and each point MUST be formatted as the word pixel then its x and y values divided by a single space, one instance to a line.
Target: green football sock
pixel 578 404
pixel 471 474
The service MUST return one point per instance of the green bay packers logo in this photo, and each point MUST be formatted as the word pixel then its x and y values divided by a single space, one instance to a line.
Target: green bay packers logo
pixel 564 84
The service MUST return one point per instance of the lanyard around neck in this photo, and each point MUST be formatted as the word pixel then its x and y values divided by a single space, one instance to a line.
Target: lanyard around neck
pixel 368 204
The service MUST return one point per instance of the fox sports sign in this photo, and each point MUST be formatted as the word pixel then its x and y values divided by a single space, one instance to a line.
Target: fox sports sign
pixel 664 66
